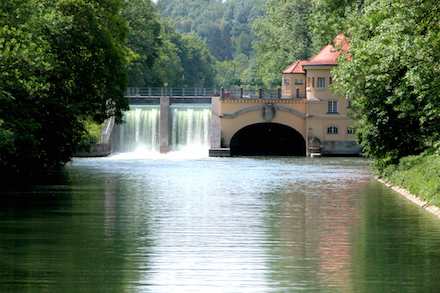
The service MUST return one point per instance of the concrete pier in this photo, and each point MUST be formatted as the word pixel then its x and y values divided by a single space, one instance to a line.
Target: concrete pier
pixel 164 124
pixel 215 131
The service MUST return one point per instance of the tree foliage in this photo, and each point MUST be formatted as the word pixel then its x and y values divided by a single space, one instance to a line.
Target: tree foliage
pixel 145 40
pixel 328 18
pixel 282 36
pixel 162 54
pixel 393 78
pixel 60 62
pixel 226 29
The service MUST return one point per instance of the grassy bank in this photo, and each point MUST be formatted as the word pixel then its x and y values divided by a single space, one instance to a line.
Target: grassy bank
pixel 420 175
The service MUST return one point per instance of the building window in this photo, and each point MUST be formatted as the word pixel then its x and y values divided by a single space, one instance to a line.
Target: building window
pixel 332 107
pixel 313 82
pixel 321 82
pixel 332 129
pixel 286 81
pixel 351 131
pixel 330 80
pixel 297 93
pixel 299 81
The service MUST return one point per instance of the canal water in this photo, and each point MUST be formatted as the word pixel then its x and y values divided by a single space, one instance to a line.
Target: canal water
pixel 179 224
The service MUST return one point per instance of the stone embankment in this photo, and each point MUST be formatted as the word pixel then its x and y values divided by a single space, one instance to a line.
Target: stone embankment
pixel 435 210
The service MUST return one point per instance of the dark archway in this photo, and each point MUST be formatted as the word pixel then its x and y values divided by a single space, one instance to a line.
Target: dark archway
pixel 268 139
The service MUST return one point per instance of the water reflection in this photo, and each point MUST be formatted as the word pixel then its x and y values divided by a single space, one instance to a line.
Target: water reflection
pixel 216 225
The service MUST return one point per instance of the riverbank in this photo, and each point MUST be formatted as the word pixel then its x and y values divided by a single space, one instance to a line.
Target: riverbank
pixel 417 178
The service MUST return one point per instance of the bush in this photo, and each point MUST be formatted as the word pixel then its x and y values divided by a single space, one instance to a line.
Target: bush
pixel 91 136
pixel 420 175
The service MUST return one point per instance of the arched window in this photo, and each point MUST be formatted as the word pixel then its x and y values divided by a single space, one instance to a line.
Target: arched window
pixel 332 129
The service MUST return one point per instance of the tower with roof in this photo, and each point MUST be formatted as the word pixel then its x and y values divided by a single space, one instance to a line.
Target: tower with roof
pixel 328 126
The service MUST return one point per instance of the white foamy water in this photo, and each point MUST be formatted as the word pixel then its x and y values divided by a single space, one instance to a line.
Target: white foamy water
pixel 138 137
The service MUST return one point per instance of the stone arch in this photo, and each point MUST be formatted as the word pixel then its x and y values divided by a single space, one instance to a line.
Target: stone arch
pixel 268 138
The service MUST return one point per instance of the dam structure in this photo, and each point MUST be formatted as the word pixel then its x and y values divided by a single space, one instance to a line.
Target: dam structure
pixel 164 120
pixel 233 122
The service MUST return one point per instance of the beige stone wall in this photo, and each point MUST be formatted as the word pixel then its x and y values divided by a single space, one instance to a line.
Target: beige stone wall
pixel 289 86
pixel 321 107
pixel 317 127
pixel 230 126
pixel 313 92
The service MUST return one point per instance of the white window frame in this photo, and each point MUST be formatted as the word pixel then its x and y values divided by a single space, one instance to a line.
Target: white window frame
pixel 320 83
pixel 332 107
pixel 332 130
pixel 351 130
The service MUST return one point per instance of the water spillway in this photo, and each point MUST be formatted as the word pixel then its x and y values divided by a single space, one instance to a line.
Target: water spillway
pixel 140 130
pixel 190 126
pixel 188 129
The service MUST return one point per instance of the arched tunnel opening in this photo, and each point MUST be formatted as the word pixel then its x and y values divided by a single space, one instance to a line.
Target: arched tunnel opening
pixel 268 139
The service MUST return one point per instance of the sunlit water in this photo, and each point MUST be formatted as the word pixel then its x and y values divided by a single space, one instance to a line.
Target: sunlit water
pixel 183 224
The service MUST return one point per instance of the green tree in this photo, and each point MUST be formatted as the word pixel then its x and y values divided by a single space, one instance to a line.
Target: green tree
pixel 144 39
pixel 61 62
pixel 392 77
pixel 282 36
pixel 197 62
pixel 328 18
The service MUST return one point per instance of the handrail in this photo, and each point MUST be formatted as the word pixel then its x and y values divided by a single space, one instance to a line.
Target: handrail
pixel 231 93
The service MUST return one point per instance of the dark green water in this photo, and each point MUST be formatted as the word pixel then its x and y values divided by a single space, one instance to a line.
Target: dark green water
pixel 216 225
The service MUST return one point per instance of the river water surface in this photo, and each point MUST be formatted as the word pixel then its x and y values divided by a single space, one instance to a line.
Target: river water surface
pixel 171 224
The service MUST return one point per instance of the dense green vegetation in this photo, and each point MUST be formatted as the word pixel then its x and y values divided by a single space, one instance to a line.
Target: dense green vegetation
pixel 393 78
pixel 419 175
pixel 61 62
pixel 162 55
pixel 226 29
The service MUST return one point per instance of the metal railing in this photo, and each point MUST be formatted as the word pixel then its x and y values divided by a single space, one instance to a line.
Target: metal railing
pixel 171 92
pixel 231 93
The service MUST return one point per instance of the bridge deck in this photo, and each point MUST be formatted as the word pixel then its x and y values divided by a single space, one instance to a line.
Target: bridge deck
pixel 203 93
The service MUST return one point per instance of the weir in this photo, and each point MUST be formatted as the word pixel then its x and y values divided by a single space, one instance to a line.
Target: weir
pixel 165 127
pixel 140 130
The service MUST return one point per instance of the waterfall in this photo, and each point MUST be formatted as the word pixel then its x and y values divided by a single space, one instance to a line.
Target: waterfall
pixel 190 125
pixel 139 134
pixel 140 130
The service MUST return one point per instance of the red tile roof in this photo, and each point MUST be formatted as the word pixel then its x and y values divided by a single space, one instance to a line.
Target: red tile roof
pixel 295 67
pixel 329 54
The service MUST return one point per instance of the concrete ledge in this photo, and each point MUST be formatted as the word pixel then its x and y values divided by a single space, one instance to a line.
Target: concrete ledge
pixel 411 197
pixel 333 148
pixel 220 152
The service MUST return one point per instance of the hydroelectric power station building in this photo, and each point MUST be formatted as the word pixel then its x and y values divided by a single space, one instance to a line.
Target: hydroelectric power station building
pixel 306 118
